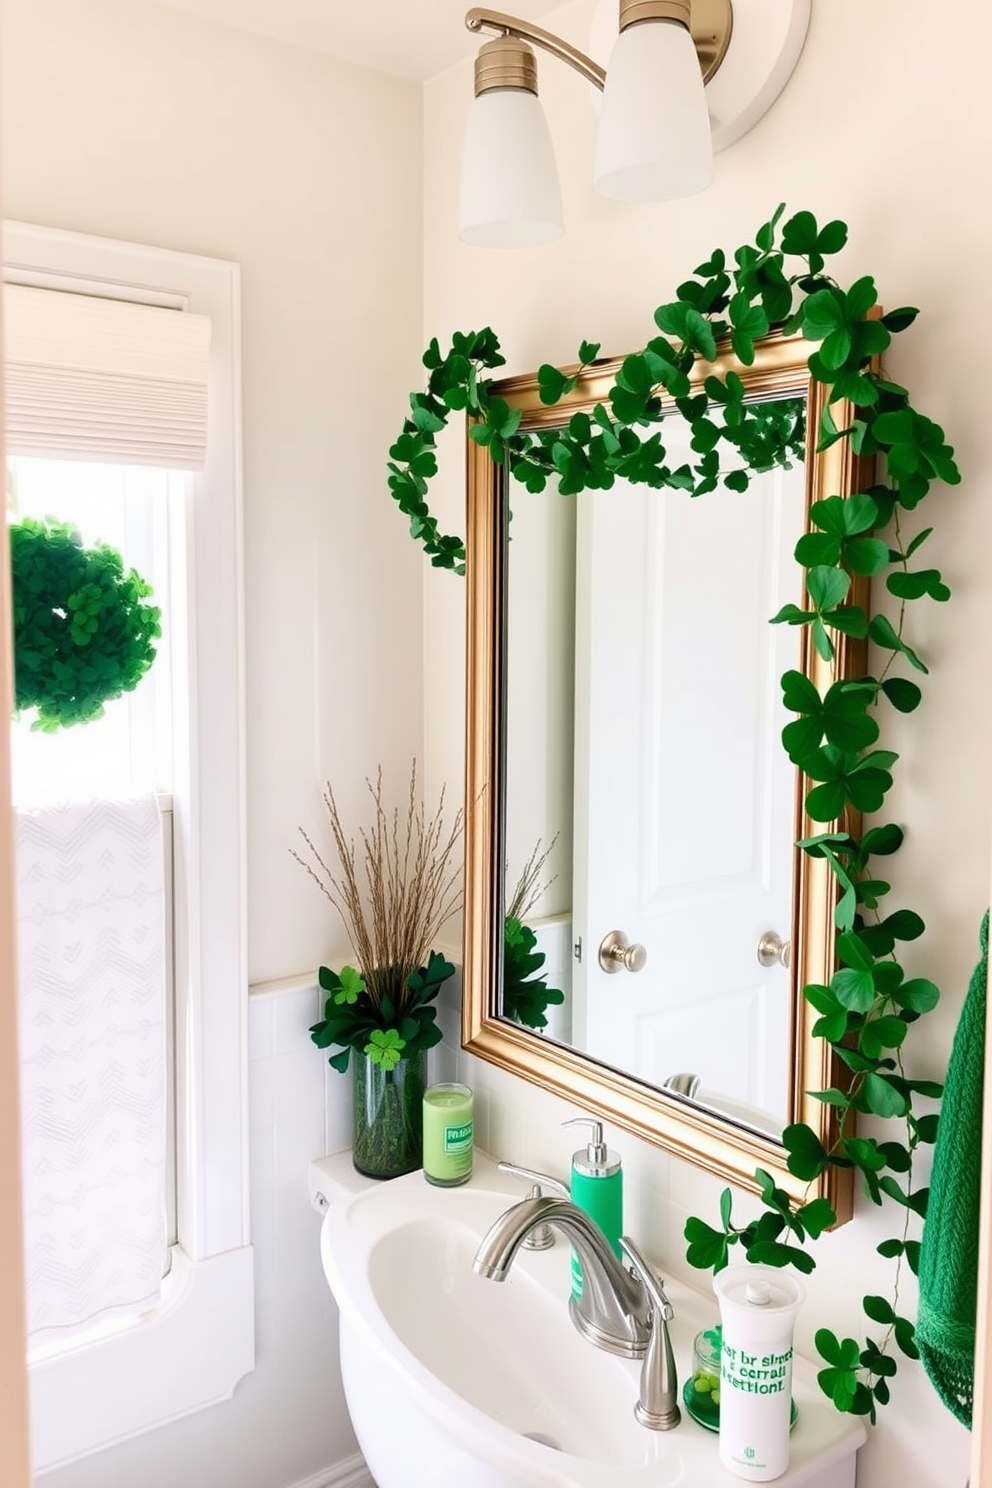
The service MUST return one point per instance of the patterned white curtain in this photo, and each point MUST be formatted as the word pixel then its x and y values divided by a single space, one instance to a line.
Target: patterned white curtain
pixel 92 972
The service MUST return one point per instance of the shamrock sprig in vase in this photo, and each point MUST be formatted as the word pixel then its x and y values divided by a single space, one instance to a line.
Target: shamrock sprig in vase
pixel 390 1064
pixel 526 993
pixel 382 1011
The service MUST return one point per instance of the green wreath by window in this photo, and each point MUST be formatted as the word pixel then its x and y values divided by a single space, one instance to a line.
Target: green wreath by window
pixel 84 628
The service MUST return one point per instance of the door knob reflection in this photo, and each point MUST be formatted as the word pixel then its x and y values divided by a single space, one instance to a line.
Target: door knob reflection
pixel 772 948
pixel 617 954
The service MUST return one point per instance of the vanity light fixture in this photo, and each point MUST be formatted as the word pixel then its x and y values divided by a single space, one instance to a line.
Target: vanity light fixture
pixel 659 120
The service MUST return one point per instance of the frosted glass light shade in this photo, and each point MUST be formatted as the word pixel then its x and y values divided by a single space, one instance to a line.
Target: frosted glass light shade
pixel 510 197
pixel 654 139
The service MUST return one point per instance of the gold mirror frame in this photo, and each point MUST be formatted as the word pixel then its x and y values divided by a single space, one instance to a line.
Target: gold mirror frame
pixel 710 1141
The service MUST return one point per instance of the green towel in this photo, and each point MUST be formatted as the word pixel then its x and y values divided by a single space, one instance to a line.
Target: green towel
pixel 945 1332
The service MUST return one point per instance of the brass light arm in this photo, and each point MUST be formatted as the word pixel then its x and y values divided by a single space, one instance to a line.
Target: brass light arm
pixel 710 23
pixel 506 25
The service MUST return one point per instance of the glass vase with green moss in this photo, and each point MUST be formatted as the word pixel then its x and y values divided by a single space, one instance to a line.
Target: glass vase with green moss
pixel 388 1137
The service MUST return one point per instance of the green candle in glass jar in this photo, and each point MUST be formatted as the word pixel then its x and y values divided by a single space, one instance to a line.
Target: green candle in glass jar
pixel 448 1134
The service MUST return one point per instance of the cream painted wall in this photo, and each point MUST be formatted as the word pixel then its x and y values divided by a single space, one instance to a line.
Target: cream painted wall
pixel 138 122
pixel 886 123
pixel 540 578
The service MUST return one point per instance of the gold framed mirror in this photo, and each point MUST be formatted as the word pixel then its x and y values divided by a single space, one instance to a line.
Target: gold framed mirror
pixel 713 1134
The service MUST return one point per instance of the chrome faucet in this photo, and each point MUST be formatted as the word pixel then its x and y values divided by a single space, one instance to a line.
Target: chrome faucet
pixel 617 1311
pixel 613 1310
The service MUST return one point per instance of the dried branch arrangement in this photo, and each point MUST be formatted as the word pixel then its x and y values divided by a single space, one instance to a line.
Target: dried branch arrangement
pixel 529 886
pixel 394 889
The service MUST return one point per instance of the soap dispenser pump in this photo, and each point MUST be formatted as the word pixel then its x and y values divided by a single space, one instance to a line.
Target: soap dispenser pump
pixel 597 1187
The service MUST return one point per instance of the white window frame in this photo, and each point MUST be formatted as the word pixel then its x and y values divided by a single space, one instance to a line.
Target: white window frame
pixel 195 1347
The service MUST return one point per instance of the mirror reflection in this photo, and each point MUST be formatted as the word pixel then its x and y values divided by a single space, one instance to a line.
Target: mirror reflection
pixel 643 723
pixel 628 797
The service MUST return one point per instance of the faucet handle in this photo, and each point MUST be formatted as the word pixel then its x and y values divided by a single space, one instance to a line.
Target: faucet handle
pixel 657 1407
pixel 543 1237
pixel 653 1285
pixel 542 1180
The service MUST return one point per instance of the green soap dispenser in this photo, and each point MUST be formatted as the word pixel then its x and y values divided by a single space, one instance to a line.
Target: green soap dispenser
pixel 596 1187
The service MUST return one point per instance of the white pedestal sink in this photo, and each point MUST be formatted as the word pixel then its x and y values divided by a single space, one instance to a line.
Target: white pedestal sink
pixel 454 1381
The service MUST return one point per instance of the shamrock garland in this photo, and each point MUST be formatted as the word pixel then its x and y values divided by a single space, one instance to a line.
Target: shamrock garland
pixel 779 281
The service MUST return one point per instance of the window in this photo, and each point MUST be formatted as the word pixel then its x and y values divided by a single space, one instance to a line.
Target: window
pixel 97 999
pixel 191 1351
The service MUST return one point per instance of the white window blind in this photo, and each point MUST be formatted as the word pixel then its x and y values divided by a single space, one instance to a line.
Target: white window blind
pixel 89 378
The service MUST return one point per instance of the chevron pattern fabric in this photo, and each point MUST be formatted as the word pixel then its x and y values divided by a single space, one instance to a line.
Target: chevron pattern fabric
pixel 92 964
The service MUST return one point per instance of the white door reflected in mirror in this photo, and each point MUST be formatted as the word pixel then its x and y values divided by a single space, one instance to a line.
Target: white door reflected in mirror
pixel 682 823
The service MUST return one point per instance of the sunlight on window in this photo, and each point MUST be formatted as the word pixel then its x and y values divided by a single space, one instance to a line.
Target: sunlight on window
pixel 128 750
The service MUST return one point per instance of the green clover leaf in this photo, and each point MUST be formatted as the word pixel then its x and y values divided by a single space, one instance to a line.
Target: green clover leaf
pixel 385 1047
pixel 351 986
